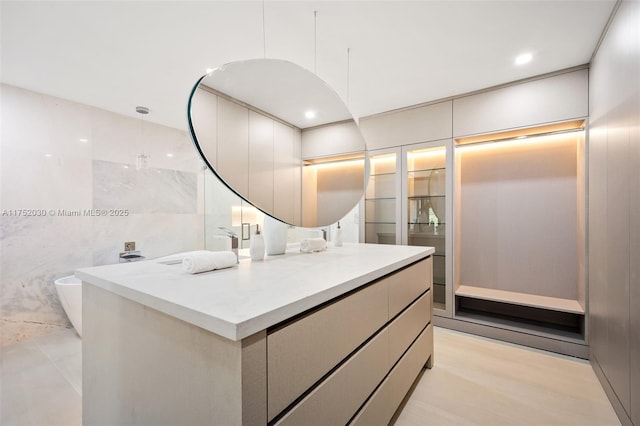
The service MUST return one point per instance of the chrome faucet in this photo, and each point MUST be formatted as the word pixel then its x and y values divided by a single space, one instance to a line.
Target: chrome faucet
pixel 130 254
pixel 234 238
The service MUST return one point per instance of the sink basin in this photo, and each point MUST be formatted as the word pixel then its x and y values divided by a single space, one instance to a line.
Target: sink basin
pixel 131 257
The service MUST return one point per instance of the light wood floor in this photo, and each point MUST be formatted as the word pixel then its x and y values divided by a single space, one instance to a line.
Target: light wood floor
pixel 475 381
pixel 478 381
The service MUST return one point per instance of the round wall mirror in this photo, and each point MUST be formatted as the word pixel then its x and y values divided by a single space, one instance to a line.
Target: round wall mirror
pixel 280 138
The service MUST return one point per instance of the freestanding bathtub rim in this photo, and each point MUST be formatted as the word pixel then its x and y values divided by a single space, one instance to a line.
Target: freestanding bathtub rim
pixel 69 291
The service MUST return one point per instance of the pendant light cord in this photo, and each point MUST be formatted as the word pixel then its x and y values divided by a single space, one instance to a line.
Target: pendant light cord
pixel 264 34
pixel 348 72
pixel 315 42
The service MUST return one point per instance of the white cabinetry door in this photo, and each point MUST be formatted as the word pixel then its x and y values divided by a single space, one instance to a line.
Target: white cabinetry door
pixel 284 172
pixel 233 145
pixel 424 123
pixel 204 116
pixel 261 166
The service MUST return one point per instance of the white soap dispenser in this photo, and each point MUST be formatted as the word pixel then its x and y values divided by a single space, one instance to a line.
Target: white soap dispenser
pixel 338 237
pixel 256 245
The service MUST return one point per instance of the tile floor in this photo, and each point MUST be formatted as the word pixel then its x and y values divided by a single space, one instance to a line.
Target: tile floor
pixel 475 381
pixel 41 381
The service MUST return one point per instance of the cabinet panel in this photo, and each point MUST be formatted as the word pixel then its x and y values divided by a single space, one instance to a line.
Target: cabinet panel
pixel 417 212
pixel 261 166
pixel 618 262
pixel 302 352
pixel 381 207
pixel 384 402
pixel 297 177
pixel 425 123
pixel 342 393
pixel 408 325
pixel 557 98
pixel 204 117
pixel 328 141
pixel 633 112
pixel 405 286
pixel 427 198
pixel 284 172
pixel 233 145
pixel 598 220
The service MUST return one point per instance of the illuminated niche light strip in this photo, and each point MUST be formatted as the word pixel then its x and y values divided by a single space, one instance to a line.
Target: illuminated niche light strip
pixel 387 158
pixel 428 153
pixel 521 140
pixel 508 135
pixel 339 163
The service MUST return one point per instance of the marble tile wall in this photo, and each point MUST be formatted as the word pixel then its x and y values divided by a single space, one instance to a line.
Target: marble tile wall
pixel 58 158
pixel 62 161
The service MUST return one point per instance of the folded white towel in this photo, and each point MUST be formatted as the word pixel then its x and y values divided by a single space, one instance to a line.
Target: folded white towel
pixel 202 261
pixel 309 245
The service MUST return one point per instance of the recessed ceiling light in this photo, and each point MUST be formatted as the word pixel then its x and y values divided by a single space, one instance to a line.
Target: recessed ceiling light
pixel 524 58
pixel 169 154
pixel 310 114
pixel 83 140
pixel 48 155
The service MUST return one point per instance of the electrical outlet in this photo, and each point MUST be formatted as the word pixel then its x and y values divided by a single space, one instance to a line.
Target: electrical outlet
pixel 130 246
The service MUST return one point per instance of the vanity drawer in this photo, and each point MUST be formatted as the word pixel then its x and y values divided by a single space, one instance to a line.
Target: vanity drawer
pixel 385 401
pixel 408 325
pixel 335 400
pixel 409 283
pixel 300 353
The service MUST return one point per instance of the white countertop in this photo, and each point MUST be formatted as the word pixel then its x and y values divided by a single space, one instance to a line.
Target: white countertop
pixel 252 296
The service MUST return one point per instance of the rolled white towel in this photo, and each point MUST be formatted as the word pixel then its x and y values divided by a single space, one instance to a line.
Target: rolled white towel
pixel 309 245
pixel 202 261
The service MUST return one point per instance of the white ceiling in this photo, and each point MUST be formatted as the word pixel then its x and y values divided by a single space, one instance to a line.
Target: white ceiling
pixel 280 88
pixel 116 55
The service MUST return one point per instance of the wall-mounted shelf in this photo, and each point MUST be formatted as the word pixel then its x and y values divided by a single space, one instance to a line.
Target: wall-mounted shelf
pixel 522 299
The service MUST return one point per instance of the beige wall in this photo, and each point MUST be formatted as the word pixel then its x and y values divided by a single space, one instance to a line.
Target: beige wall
pixel 518 206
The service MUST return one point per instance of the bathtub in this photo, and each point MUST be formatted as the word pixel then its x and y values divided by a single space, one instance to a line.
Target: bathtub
pixel 69 291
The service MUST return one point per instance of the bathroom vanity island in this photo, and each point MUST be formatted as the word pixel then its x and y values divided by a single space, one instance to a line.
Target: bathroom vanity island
pixel 334 337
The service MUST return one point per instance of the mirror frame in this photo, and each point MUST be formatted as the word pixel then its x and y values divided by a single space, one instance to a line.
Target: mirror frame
pixel 298 216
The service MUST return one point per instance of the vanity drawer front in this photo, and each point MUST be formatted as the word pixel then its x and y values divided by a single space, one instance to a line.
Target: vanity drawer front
pixel 406 285
pixel 385 401
pixel 336 400
pixel 300 353
pixel 408 325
